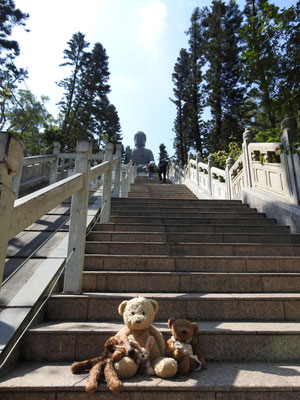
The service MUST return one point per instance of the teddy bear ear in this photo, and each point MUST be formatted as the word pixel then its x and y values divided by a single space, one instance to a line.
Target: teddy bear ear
pixel 155 305
pixel 122 307
pixel 196 328
pixel 135 344
pixel 171 322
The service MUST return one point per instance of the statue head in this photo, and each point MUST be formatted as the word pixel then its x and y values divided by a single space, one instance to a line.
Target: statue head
pixel 140 139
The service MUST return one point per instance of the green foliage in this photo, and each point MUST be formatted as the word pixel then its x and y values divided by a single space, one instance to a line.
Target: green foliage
pixel 220 157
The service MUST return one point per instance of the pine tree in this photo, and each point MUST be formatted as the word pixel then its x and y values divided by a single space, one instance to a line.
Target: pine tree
pixel 225 92
pixel 195 93
pixel 180 76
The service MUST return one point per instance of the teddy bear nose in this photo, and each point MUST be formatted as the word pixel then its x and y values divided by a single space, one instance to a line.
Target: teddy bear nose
pixel 184 332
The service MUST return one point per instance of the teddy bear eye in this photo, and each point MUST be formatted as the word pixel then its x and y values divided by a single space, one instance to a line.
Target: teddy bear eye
pixel 143 313
pixel 132 313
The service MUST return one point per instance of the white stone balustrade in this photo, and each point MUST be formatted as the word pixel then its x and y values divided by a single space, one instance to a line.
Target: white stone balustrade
pixel 271 168
pixel 16 215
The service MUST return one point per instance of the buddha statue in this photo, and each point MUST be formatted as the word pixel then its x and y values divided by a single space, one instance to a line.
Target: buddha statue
pixel 141 155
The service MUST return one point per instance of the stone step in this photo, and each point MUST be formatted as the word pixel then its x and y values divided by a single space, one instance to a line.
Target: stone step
pixel 187 214
pixel 193 237
pixel 220 341
pixel 251 219
pixel 190 282
pixel 192 306
pixel 114 262
pixel 192 249
pixel 221 381
pixel 140 227
pixel 173 202
pixel 194 208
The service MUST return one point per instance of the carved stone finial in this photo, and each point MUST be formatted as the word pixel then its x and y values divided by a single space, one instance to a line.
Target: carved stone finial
pixel 247 135
pixel 289 123
pixel 229 162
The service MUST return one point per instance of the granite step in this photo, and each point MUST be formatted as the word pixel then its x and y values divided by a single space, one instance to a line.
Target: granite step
pixel 186 214
pixel 255 219
pixel 140 227
pixel 193 306
pixel 115 262
pixel 220 341
pixel 173 202
pixel 221 381
pixel 190 282
pixel 192 249
pixel 274 238
pixel 163 209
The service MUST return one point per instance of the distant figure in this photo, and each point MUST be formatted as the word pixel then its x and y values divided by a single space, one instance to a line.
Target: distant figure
pixel 150 169
pixel 162 170
pixel 128 153
pixel 141 155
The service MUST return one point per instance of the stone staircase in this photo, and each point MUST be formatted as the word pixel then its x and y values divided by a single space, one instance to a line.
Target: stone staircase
pixel 215 262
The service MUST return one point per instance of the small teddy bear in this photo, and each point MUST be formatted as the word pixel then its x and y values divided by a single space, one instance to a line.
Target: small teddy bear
pixel 142 358
pixel 115 348
pixel 183 347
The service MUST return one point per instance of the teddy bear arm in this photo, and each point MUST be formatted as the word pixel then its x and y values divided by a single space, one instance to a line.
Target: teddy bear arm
pixel 159 339
pixel 197 350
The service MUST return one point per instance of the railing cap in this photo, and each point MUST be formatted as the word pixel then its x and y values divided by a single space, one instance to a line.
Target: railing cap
pixel 247 135
pixel 83 146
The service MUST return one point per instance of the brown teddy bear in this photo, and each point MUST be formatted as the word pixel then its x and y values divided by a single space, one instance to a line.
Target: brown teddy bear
pixel 183 347
pixel 115 348
pixel 138 315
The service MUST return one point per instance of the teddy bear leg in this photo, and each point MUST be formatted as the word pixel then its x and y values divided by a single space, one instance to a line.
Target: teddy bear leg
pixel 125 368
pixel 113 382
pixel 184 365
pixel 165 367
pixel 94 377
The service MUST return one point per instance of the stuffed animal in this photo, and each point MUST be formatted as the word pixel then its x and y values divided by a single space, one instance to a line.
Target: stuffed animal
pixel 183 347
pixel 142 358
pixel 138 315
pixel 115 348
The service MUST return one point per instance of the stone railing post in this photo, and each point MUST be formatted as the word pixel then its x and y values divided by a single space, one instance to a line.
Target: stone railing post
pixel 107 180
pixel 247 138
pixel 116 191
pixel 289 160
pixel 210 163
pixel 77 229
pixel 229 164
pixel 16 182
pixel 198 159
pixel 123 184
pixel 189 165
pixel 11 154
pixel 54 164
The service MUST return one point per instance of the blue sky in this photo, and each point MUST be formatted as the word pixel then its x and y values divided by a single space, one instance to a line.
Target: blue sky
pixel 142 39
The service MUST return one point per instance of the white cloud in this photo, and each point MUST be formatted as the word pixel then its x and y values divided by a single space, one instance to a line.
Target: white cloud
pixel 152 23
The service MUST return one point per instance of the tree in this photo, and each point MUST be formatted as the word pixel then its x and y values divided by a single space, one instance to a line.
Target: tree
pixel 195 99
pixel 225 92
pixel 86 110
pixel 10 75
pixel 180 76
pixel 75 57
pixel 27 117
pixel 260 55
pixel 10 16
